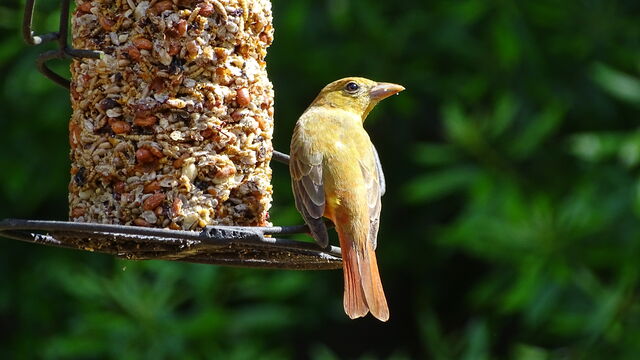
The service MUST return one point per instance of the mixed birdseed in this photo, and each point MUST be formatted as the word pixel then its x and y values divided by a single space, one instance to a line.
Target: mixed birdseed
pixel 172 126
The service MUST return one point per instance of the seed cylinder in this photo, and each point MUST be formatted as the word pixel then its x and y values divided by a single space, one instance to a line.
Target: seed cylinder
pixel 172 126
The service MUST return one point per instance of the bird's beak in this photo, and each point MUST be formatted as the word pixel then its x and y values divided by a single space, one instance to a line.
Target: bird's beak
pixel 384 90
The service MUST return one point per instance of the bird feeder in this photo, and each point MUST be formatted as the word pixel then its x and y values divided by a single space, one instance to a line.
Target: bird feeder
pixel 170 135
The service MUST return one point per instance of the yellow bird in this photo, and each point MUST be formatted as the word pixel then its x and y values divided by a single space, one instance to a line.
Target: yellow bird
pixel 336 173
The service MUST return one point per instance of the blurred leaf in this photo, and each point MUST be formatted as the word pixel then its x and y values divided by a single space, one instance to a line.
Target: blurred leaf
pixel 522 291
pixel 527 352
pixel 261 317
pixel 507 41
pixel 543 303
pixel 618 84
pixel 321 352
pixel 9 18
pixel 636 202
pixel 478 338
pixel 467 11
pixel 339 13
pixel 537 130
pixel 435 154
pixel 629 149
pixel 433 339
pixel 438 184
pixel 459 127
pixel 74 347
pixel 595 146
pixel 504 114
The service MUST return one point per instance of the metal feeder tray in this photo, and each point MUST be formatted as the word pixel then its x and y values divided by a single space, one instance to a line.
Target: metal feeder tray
pixel 220 245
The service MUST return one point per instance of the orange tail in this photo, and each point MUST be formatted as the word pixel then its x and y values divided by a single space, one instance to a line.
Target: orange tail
pixel 362 285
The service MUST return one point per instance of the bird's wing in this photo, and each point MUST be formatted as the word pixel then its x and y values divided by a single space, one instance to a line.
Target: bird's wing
pixel 374 183
pixel 308 190
pixel 381 181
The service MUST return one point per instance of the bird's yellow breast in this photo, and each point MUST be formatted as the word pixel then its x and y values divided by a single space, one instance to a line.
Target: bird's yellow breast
pixel 338 135
pixel 333 131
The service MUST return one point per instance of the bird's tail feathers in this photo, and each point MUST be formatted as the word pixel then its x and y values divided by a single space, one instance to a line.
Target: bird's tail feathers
pixel 363 290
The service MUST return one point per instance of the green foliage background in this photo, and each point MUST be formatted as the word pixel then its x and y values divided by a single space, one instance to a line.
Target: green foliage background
pixel 510 224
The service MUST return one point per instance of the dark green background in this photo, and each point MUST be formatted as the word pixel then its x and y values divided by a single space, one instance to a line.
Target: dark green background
pixel 509 228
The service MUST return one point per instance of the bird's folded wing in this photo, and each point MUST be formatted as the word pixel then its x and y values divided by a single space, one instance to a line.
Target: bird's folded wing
pixel 381 181
pixel 375 185
pixel 308 190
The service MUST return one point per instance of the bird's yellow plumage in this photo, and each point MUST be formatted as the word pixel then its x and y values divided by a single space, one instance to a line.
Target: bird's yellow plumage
pixel 336 173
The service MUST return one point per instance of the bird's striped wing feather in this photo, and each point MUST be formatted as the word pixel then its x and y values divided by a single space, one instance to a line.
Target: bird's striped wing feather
pixel 375 185
pixel 381 181
pixel 308 190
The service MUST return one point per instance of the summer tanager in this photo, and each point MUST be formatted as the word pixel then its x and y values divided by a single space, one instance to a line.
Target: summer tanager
pixel 336 173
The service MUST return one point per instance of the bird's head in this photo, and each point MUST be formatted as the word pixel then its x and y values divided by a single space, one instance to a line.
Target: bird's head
pixel 355 94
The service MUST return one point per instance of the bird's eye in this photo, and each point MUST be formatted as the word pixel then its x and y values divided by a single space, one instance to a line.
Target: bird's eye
pixel 352 87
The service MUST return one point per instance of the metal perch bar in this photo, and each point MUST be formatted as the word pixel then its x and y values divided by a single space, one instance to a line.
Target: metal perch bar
pixel 280 157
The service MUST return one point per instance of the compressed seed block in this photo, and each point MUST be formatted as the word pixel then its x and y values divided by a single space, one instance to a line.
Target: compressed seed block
pixel 172 126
